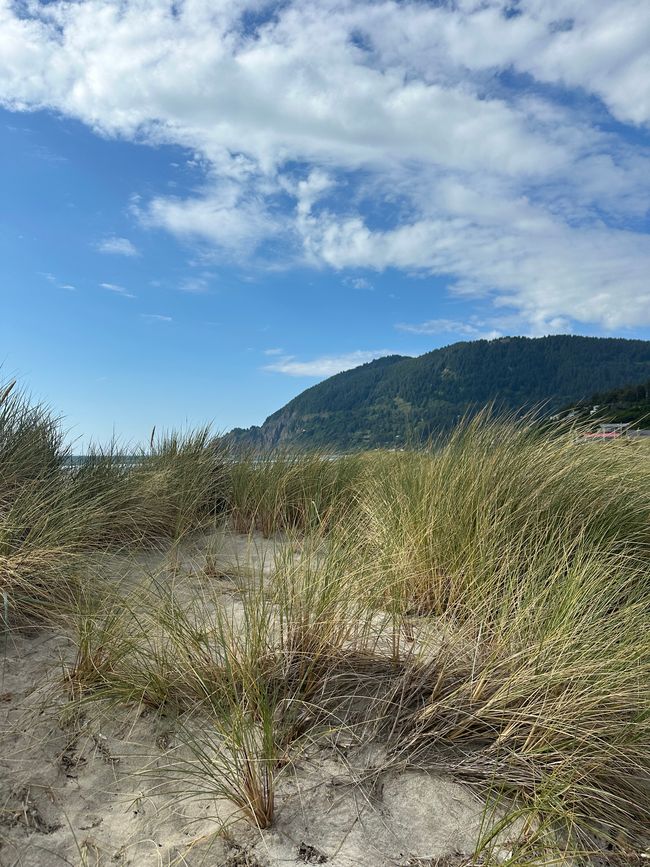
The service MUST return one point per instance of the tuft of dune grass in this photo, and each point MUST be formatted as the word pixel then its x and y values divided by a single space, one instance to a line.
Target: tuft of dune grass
pixel 280 491
pixel 55 515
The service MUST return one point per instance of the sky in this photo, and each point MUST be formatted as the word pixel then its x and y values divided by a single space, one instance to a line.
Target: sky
pixel 207 206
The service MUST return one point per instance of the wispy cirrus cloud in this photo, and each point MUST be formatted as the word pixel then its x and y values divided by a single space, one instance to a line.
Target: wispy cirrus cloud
pixel 199 284
pixel 52 279
pixel 325 365
pixel 117 246
pixel 155 317
pixel 117 289
pixel 474 329
pixel 437 326
pixel 450 326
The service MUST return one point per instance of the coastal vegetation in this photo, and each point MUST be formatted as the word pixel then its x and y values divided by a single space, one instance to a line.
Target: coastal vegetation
pixel 477 609
pixel 627 405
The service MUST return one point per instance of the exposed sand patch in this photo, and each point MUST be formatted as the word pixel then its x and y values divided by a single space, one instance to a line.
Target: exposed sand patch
pixel 72 792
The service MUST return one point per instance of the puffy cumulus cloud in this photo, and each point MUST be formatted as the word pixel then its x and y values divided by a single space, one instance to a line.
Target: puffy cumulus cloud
pixel 545 272
pixel 226 217
pixel 298 87
pixel 356 134
pixel 598 45
pixel 325 365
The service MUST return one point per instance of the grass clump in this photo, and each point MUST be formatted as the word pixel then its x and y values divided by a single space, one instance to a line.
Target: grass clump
pixel 183 482
pixel 42 533
pixel 282 492
pixel 31 442
pixel 456 529
pixel 531 550
pixel 55 514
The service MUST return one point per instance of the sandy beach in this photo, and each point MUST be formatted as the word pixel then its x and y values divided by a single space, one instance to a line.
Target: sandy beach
pixel 85 784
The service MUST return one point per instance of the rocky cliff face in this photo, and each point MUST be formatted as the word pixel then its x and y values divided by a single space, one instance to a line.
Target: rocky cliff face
pixel 287 429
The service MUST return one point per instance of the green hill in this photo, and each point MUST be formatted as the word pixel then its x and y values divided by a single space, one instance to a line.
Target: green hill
pixel 399 399
pixel 629 404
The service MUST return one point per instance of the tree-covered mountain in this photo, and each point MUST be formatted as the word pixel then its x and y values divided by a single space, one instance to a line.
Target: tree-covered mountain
pixel 398 399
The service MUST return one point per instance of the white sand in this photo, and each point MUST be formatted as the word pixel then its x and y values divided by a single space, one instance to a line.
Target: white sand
pixel 71 791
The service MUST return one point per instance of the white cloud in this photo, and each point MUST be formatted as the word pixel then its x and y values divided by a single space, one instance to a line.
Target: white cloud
pixel 439 326
pixel 532 265
pixel 156 317
pixel 197 285
pixel 52 279
pixel 119 290
pixel 224 216
pixel 325 365
pixel 328 114
pixel 274 351
pixel 360 283
pixel 598 45
pixel 119 246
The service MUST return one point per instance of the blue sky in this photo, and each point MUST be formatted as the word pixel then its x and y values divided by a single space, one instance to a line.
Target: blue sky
pixel 206 207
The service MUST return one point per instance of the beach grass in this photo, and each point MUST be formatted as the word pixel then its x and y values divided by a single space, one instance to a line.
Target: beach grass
pixel 478 608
